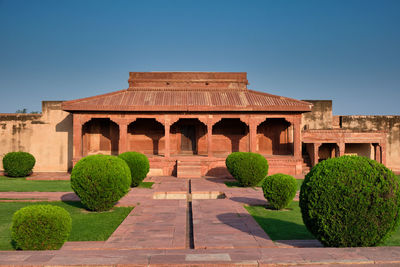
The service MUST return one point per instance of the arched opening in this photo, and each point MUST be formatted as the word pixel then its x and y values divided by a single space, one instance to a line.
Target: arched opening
pixel 188 137
pixel 100 136
pixel 275 137
pixel 327 151
pixel 360 149
pixel 146 136
pixel 230 135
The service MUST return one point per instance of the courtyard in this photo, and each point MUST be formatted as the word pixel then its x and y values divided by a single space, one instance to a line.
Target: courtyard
pixel 201 221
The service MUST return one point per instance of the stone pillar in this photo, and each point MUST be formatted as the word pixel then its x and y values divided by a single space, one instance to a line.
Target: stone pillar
pixel 253 136
pixel 209 139
pixel 383 153
pixel 297 137
pixel 167 148
pixel 377 149
pixel 77 138
pixel 123 136
pixel 342 148
pixel 315 157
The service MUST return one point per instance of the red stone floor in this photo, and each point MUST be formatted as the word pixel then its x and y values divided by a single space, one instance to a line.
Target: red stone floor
pixel 224 234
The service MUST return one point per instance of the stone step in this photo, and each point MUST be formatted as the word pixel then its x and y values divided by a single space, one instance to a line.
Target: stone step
pixel 189 163
pixel 189 169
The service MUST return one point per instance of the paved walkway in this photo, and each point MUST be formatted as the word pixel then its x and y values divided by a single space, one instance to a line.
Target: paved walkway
pixel 156 233
pixel 383 256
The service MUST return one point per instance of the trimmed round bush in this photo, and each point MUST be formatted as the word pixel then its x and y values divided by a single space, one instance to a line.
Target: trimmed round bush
pixel 139 165
pixel 40 227
pixel 100 181
pixel 350 201
pixel 230 161
pixel 279 189
pixel 247 168
pixel 18 164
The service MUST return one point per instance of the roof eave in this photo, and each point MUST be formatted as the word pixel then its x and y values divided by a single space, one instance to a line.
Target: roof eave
pixel 186 109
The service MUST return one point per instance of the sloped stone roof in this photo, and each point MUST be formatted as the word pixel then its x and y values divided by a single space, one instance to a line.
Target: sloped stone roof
pixel 187 91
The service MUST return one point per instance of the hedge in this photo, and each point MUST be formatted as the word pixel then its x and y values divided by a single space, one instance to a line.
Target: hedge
pixel 350 202
pixel 247 168
pixel 40 227
pixel 139 165
pixel 279 189
pixel 18 164
pixel 100 181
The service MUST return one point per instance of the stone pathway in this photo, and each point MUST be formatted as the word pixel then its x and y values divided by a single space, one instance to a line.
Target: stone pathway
pixel 154 224
pixel 156 233
pixel 382 256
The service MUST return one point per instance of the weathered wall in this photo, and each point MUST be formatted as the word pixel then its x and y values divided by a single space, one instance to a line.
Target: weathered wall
pixel 320 116
pixel 364 150
pixel 391 124
pixel 48 136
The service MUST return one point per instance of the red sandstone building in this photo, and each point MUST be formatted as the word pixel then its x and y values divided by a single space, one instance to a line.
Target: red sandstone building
pixel 188 122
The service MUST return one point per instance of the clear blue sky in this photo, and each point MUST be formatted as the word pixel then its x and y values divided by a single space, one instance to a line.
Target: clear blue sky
pixel 344 50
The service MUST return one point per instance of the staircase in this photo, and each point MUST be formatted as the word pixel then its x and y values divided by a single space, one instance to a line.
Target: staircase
pixel 306 164
pixel 188 169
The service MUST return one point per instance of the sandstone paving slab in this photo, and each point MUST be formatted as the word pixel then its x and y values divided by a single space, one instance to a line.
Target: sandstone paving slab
pixel 157 224
pixel 298 243
pixel 169 183
pixel 223 223
pixel 83 245
pixel 49 176
pixel 187 257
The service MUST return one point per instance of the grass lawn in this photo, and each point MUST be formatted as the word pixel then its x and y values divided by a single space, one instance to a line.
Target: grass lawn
pixel 145 184
pixel 22 185
pixel 86 226
pixel 288 225
pixel 281 225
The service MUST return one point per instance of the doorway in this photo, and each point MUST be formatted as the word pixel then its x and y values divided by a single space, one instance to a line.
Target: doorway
pixel 188 139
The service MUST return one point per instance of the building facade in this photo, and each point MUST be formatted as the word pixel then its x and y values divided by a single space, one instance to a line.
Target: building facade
pixel 188 122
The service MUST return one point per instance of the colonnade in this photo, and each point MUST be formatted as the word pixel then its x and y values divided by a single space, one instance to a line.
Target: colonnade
pixel 167 120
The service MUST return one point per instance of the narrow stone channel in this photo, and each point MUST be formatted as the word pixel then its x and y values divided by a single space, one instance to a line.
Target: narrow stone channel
pixel 189 216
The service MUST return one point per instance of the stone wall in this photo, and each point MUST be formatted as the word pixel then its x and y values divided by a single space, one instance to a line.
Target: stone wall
pixel 48 136
pixel 320 116
pixel 391 124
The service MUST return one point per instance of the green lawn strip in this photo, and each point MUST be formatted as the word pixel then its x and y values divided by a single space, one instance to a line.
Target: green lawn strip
pixel 394 240
pixel 145 185
pixel 288 225
pixel 281 225
pixel 86 225
pixel 22 185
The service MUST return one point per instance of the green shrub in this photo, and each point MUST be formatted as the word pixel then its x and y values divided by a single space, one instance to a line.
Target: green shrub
pixel 40 227
pixel 247 168
pixel 18 164
pixel 350 202
pixel 230 159
pixel 100 181
pixel 279 189
pixel 139 165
